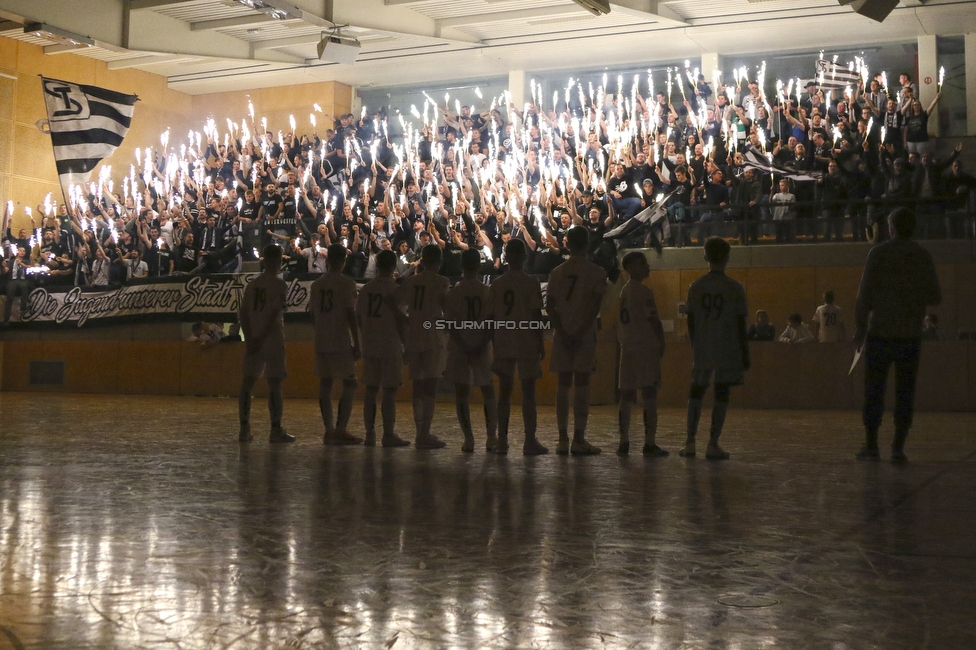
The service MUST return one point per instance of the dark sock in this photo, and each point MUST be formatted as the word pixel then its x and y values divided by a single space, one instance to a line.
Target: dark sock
pixel 871 438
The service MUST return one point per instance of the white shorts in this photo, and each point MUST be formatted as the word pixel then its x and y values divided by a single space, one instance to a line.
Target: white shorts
pixel 427 364
pixel 463 369
pixel 527 368
pixel 386 372
pixel 703 377
pixel 638 370
pixel 270 360
pixel 338 364
pixel 578 358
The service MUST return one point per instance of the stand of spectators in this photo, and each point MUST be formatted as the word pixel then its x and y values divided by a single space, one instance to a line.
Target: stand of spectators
pixel 468 179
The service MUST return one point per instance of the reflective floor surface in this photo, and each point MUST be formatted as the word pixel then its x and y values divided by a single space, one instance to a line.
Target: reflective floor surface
pixel 130 522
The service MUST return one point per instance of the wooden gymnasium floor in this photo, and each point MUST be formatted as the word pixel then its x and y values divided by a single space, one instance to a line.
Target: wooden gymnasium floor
pixel 132 522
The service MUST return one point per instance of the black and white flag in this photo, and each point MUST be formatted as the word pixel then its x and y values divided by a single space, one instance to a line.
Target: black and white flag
pixel 760 163
pixel 830 75
pixel 87 125
pixel 649 215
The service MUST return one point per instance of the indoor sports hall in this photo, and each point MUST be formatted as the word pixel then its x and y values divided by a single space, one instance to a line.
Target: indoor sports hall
pixel 180 178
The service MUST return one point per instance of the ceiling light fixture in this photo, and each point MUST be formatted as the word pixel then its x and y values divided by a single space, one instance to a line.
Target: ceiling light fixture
pixel 50 32
pixel 273 8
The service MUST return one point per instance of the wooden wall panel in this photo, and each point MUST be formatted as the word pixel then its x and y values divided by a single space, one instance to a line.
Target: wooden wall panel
pixel 782 377
pixel 943 377
pixel 751 393
pixel 947 311
pixel 15 364
pixel 965 286
pixel 90 368
pixel 971 377
pixel 667 292
pixel 231 363
pixel 149 367
pixel 781 292
pixel 675 375
pixel 805 377
pixel 301 382
pixel 200 369
pixel 603 383
pixel 334 98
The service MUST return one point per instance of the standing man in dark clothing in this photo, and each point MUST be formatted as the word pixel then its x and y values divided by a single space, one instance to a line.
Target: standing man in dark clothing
pixel 899 282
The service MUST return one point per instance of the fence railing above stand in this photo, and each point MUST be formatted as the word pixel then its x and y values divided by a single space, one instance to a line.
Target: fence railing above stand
pixel 811 221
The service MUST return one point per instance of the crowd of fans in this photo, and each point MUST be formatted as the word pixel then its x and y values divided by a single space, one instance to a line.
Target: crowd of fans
pixel 463 179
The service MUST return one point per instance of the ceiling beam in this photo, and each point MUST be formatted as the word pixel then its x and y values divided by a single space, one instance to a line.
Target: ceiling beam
pixel 142 61
pixel 154 4
pixel 63 48
pixel 650 9
pixel 374 16
pixel 518 14
pixel 240 21
pixel 293 41
pixel 459 39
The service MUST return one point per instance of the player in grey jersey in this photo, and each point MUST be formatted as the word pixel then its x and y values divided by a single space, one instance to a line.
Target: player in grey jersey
pixel 717 328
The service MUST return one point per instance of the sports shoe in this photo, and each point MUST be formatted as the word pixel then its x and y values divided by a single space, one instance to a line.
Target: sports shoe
pixel 654 451
pixel 341 438
pixel 468 445
pixel 429 442
pixel 623 449
pixel 898 456
pixel 393 440
pixel 868 453
pixel 562 447
pixel 491 443
pixel 370 440
pixel 501 449
pixel 533 447
pixel 583 449
pixel 245 433
pixel 714 452
pixel 278 434
pixel 688 451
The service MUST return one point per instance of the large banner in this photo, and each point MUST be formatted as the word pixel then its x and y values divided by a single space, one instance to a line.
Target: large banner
pixel 198 297
pixel 195 298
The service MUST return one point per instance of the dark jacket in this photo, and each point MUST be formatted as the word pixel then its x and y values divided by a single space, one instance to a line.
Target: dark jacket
pixel 899 282
pixel 935 172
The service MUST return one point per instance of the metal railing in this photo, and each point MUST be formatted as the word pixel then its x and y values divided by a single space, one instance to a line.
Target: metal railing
pixel 812 221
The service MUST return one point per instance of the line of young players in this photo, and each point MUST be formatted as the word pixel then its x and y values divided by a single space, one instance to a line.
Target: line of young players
pixel 383 319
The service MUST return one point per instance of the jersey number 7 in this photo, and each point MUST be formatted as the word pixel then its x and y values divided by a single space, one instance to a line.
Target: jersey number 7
pixel 572 286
